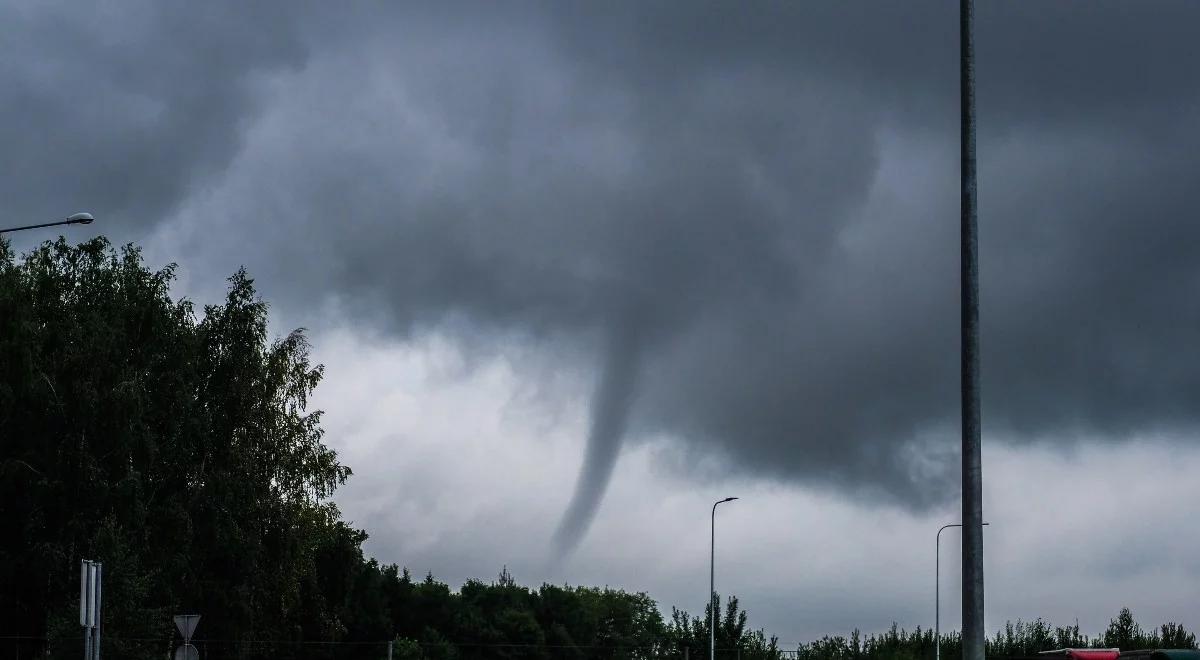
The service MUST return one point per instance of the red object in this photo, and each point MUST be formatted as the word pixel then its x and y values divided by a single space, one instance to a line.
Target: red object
pixel 1085 654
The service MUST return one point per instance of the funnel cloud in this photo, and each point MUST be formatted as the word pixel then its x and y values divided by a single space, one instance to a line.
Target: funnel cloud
pixel 609 415
pixel 773 188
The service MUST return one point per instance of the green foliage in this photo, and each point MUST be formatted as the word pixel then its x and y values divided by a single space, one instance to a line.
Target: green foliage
pixel 406 649
pixel 1124 633
pixel 1015 640
pixel 1173 636
pixel 732 638
pixel 177 450
pixel 1030 638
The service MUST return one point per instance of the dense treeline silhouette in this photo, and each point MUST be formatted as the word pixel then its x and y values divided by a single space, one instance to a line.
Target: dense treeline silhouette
pixel 177 448
pixel 1017 640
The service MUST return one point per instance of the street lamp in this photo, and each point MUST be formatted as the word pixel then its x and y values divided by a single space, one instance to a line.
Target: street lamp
pixel 77 219
pixel 712 594
pixel 937 592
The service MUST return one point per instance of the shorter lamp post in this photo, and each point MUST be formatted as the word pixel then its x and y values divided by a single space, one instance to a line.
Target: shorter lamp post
pixel 937 592
pixel 712 562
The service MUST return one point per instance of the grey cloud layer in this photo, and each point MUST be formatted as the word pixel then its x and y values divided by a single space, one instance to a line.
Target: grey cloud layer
pixel 123 108
pixel 765 198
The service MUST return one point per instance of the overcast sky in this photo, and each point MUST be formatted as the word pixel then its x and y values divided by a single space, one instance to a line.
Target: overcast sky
pixel 719 240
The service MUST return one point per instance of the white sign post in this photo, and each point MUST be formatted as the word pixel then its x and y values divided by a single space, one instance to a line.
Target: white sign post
pixel 90 574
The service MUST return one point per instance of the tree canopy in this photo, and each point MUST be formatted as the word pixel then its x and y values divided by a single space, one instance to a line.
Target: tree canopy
pixel 173 446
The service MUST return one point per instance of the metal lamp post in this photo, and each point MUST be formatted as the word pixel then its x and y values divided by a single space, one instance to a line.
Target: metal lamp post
pixel 937 592
pixel 712 593
pixel 77 219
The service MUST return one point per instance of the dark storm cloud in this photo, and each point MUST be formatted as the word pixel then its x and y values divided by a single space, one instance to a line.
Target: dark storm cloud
pixel 122 108
pixel 764 199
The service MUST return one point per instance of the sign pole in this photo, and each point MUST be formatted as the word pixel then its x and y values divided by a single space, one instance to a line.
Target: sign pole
pixel 90 573
pixel 96 629
pixel 85 576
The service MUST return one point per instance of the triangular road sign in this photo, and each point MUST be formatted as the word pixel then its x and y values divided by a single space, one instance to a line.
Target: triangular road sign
pixel 186 624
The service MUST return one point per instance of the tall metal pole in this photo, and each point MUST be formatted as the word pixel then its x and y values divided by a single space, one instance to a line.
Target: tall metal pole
pixel 712 593
pixel 972 469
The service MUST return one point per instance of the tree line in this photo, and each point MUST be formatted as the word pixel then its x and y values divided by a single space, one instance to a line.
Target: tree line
pixel 176 446
pixel 1022 639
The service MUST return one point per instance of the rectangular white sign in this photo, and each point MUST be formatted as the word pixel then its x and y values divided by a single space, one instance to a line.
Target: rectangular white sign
pixel 89 593
pixel 83 592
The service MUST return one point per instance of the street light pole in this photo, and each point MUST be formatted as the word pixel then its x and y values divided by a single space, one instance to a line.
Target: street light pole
pixel 972 462
pixel 77 219
pixel 712 593
pixel 937 592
